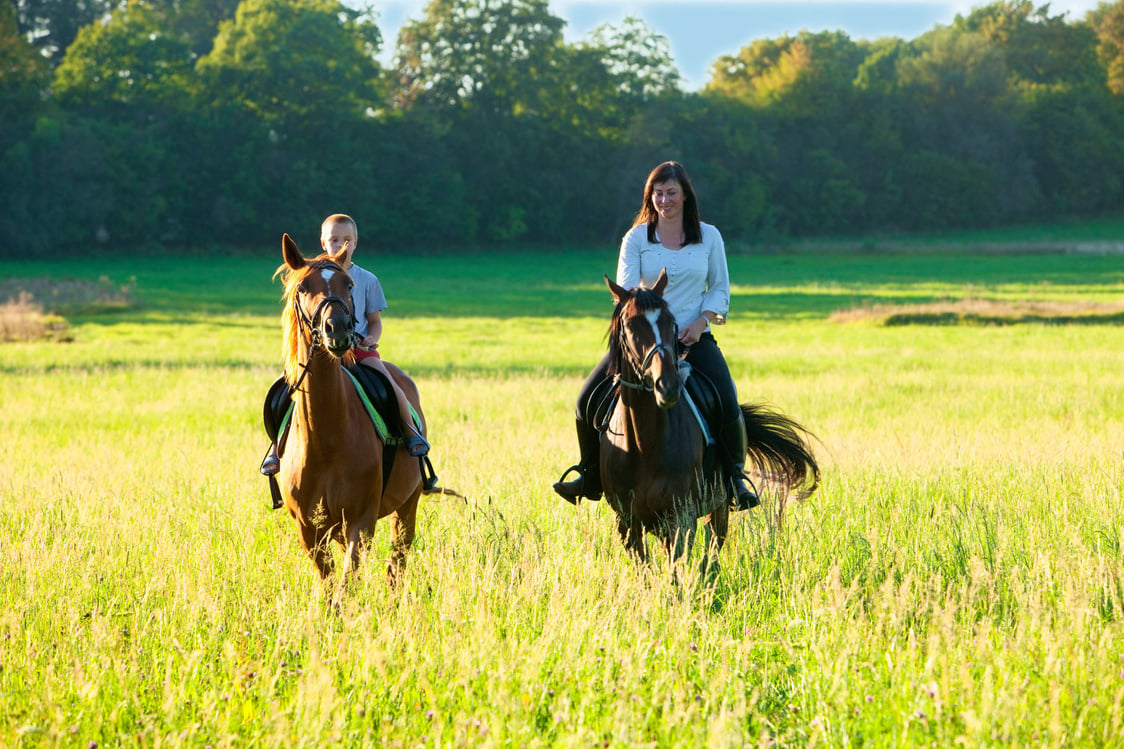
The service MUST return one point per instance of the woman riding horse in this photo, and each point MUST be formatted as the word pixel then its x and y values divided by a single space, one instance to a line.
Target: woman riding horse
pixel 668 234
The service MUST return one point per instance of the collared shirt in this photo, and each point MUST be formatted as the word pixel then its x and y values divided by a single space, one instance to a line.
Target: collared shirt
pixel 698 277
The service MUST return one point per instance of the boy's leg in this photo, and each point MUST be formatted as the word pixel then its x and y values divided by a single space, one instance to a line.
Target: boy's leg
pixel 416 443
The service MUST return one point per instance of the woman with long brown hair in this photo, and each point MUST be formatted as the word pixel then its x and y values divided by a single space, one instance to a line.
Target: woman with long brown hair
pixel 667 233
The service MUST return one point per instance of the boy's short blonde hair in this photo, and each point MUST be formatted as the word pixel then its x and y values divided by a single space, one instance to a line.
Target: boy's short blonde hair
pixel 340 218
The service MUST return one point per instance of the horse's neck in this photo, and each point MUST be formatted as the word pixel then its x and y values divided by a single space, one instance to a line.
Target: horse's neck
pixel 644 423
pixel 323 398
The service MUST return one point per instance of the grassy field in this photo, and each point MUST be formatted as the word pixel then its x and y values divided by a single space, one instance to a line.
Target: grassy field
pixel 959 577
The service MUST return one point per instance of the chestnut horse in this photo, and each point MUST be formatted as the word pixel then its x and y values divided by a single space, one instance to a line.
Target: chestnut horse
pixel 332 467
pixel 655 471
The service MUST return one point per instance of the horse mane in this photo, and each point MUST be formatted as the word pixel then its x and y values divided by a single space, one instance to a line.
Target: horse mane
pixel 641 301
pixel 290 324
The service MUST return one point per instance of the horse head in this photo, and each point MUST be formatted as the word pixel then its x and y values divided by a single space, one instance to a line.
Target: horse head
pixel 319 294
pixel 643 337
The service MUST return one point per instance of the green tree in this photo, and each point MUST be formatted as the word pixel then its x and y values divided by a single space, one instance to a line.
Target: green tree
pixel 298 65
pixel 23 78
pixel 637 58
pixel 197 21
pixel 23 72
pixel 965 113
pixel 1107 21
pixel 1078 153
pixel 51 25
pixel 1041 50
pixel 483 53
pixel 125 61
pixel 810 74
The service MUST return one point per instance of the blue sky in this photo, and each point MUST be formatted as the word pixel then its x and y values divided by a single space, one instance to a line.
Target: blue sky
pixel 701 31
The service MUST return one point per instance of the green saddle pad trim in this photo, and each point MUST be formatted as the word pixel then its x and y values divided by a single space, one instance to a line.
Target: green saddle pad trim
pixel 377 419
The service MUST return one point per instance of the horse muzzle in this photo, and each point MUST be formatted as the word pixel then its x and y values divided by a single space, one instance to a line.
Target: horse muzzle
pixel 338 334
pixel 667 391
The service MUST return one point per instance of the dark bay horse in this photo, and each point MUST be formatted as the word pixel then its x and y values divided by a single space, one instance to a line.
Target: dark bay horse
pixel 655 470
pixel 332 466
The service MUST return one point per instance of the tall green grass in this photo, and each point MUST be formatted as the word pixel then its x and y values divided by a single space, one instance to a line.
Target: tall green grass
pixel 957 578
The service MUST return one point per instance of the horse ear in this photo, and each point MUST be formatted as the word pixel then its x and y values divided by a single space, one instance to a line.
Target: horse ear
pixel 661 282
pixel 293 257
pixel 620 294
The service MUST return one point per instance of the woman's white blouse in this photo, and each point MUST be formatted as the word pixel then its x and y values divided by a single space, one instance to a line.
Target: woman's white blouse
pixel 698 278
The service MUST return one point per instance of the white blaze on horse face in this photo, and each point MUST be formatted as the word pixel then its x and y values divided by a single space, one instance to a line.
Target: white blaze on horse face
pixel 327 274
pixel 653 317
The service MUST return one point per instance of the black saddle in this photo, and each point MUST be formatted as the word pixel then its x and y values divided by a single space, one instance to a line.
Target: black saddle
pixel 379 391
pixel 699 387
pixel 279 402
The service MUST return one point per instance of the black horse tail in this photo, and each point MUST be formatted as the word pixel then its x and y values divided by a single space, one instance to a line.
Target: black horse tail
pixel 779 445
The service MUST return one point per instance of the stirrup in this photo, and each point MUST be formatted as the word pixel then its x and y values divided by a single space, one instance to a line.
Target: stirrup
pixel 270 465
pixel 743 497
pixel 574 491
pixel 417 446
pixel 429 477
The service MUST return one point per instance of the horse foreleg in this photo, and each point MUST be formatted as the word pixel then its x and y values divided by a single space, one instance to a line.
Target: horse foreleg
pixel 317 545
pixel 402 527
pixel 632 534
pixel 678 540
pixel 715 530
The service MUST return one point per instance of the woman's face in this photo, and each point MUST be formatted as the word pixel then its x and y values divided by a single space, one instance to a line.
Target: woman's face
pixel 667 199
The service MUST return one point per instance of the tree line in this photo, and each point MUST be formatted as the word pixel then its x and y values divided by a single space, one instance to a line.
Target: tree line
pixel 189 122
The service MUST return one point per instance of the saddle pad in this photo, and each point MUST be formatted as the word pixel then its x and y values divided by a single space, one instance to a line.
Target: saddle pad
pixel 373 389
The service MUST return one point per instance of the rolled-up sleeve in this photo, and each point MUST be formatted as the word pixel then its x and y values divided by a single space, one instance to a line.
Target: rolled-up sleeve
pixel 717 296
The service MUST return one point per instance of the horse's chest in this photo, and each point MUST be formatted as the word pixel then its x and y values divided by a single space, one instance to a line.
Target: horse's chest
pixel 328 494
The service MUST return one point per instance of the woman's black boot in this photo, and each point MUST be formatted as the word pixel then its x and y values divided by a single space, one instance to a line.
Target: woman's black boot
pixel 588 482
pixel 735 443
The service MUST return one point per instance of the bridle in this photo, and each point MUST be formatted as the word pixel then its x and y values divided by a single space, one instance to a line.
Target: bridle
pixel 640 364
pixel 310 325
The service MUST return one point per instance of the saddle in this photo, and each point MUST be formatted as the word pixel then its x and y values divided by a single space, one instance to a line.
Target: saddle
pixel 377 394
pixel 374 390
pixel 699 394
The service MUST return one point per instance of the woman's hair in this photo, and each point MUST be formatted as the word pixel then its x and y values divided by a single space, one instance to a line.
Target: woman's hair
pixel 671 170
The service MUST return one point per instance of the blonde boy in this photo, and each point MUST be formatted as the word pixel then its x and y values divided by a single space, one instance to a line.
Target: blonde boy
pixel 338 237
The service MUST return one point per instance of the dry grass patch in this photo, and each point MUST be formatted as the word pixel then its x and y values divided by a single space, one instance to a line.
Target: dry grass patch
pixel 986 312
pixel 32 309
pixel 21 319
pixel 70 296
